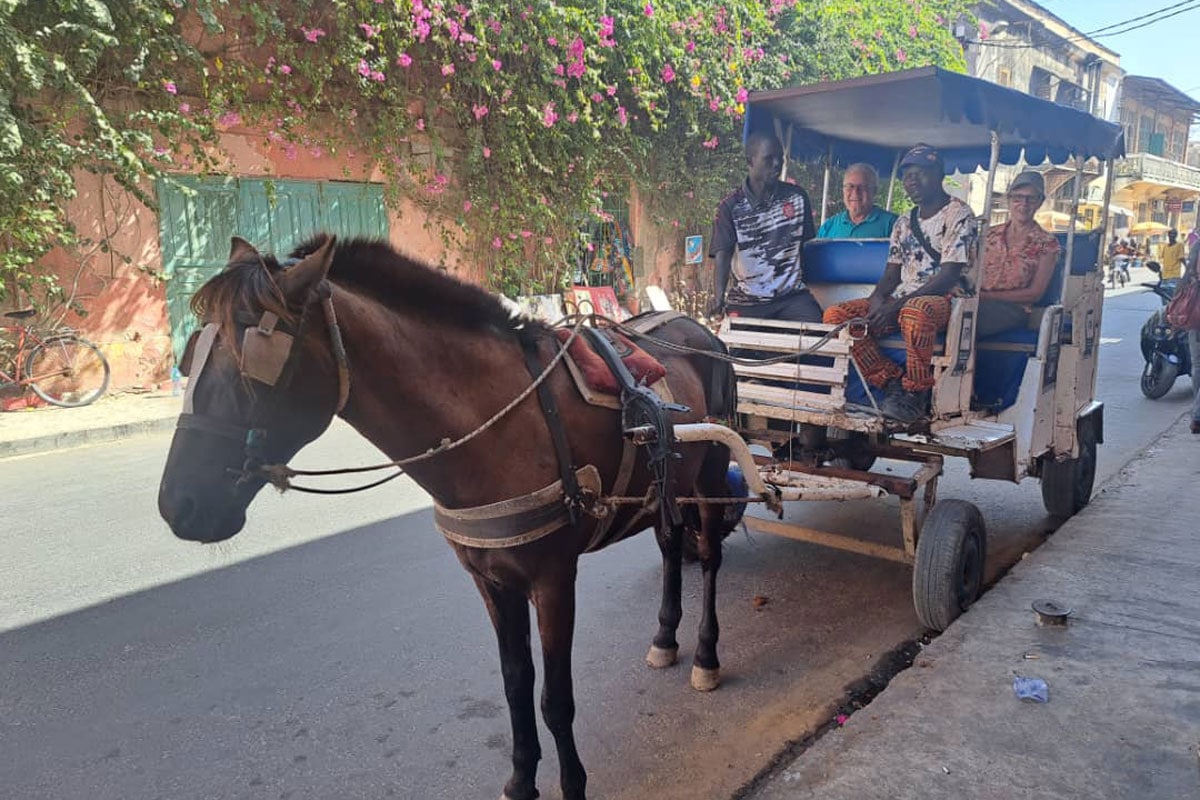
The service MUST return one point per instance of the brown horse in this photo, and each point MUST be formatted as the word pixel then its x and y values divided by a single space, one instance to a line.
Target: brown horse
pixel 411 357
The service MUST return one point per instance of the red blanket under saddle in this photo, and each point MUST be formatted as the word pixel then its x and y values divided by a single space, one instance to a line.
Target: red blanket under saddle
pixel 644 367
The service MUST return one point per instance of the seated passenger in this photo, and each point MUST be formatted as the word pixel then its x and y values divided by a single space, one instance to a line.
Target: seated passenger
pixel 927 255
pixel 1018 260
pixel 862 219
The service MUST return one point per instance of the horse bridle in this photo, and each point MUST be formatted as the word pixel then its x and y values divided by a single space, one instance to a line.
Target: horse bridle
pixel 269 357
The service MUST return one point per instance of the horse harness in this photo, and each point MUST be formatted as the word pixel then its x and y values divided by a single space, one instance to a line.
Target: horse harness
pixel 521 520
pixel 268 356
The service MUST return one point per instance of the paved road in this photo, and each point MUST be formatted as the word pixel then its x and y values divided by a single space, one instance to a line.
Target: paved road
pixel 336 648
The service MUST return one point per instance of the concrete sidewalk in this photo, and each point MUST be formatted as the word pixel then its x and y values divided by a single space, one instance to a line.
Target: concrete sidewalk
pixel 1123 717
pixel 111 417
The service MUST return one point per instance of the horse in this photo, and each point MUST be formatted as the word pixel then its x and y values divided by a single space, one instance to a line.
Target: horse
pixel 410 357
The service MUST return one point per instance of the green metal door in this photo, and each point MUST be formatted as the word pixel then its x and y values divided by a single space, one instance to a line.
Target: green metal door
pixel 199 215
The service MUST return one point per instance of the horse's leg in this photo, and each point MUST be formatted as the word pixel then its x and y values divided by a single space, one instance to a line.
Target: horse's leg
pixel 712 482
pixel 664 650
pixel 509 611
pixel 554 600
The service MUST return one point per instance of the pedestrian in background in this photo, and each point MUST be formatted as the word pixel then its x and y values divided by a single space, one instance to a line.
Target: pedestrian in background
pixel 1171 257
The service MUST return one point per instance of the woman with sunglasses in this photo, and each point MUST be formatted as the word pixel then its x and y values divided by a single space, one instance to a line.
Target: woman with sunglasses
pixel 1019 259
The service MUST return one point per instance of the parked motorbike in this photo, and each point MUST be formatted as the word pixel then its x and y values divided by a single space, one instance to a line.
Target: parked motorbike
pixel 1164 348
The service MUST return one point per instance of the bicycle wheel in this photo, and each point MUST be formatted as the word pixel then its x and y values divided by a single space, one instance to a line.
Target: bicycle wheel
pixel 67 371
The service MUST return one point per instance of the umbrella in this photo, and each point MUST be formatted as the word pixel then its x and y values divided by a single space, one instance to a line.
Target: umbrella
pixel 1149 228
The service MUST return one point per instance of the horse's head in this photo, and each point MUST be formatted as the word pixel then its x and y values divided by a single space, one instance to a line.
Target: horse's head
pixel 265 380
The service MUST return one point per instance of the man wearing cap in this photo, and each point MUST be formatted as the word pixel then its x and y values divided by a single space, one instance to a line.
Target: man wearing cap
pixel 929 251
pixel 862 219
pixel 1018 261
pixel 757 239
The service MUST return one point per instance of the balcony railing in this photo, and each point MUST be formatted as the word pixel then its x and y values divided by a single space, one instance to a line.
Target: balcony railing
pixel 1153 169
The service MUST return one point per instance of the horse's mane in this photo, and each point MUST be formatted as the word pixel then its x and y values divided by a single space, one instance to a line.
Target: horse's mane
pixel 246 288
pixel 404 283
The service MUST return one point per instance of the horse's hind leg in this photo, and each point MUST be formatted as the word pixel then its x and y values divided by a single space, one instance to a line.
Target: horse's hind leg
pixel 664 651
pixel 554 600
pixel 706 668
pixel 509 611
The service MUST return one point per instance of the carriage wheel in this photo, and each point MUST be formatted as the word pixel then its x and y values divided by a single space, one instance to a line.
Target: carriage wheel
pixel 951 553
pixel 1067 485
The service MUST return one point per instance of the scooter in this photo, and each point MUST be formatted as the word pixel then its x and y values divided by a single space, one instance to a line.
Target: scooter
pixel 1164 348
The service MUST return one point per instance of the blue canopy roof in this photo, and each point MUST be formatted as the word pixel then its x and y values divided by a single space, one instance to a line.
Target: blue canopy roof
pixel 873 118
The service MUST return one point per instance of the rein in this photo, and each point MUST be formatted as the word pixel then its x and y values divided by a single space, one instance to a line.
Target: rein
pixel 280 475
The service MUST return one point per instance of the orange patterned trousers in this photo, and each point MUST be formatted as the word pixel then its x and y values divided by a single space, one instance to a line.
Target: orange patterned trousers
pixel 921 319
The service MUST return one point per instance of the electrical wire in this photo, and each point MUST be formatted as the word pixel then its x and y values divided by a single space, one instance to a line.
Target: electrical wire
pixel 1175 9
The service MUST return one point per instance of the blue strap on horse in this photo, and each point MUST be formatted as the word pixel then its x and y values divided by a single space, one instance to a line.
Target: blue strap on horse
pixel 639 407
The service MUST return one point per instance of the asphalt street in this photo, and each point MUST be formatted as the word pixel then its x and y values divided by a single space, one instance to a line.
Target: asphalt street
pixel 336 649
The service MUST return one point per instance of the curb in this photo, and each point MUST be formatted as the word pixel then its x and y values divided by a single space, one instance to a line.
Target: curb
pixel 66 439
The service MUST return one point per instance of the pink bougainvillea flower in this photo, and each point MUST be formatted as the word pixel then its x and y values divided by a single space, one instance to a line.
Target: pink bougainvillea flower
pixel 229 119
pixel 364 68
pixel 447 70
pixel 526 234
pixel 742 94
pixel 422 30
pixel 597 97
pixel 559 69
pixel 480 111
pixel 573 117
pixel 368 29
pixel 712 143
pixel 575 48
pixel 713 104
pixel 185 108
pixel 404 60
pixel 606 32
pixel 576 69
pixel 983 31
pixel 378 76
pixel 548 240
pixel 622 115
pixel 841 719
pixel 648 10
pixel 912 31
pixel 285 69
pixel 487 152
pixel 313 34
pixel 466 206
pixel 690 47
pixel 497 243
pixel 513 236
pixel 454 29
pixel 420 123
pixel 901 56
pixel 552 41
pixel 549 115
pixel 497 65
pixel 668 73
pixel 611 90
pixel 493 25
pixel 169 87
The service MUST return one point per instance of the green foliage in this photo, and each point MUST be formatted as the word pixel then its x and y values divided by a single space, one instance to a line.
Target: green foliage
pixel 507 120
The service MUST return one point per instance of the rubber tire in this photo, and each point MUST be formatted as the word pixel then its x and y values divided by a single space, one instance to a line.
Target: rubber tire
pixel 88 351
pixel 1067 485
pixel 951 558
pixel 1158 377
pixel 862 462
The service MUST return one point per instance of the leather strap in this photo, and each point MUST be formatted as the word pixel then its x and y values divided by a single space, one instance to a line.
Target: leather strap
pixel 558 434
pixel 915 224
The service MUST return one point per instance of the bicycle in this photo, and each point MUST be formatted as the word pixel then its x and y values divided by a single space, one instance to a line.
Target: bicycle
pixel 59 366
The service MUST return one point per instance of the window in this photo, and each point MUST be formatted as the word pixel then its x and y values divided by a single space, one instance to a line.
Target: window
pixel 1004 77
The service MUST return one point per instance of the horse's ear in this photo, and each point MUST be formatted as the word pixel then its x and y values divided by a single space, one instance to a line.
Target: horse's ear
pixel 241 250
pixel 298 280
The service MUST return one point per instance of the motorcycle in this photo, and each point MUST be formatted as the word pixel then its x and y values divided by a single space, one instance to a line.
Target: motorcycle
pixel 1118 270
pixel 1164 348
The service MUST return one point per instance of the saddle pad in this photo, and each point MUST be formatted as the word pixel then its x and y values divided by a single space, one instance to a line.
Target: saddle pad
pixel 644 367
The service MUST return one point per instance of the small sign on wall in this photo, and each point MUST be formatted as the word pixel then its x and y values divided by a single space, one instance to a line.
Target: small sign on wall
pixel 693 249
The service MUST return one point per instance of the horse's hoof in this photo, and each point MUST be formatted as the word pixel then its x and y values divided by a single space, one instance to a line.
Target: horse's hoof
pixel 705 680
pixel 662 657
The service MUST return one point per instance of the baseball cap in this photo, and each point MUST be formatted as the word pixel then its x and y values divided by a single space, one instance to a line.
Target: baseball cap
pixel 922 155
pixel 1029 178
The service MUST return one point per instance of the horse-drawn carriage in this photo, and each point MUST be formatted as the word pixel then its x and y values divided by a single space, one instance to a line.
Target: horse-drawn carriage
pixel 527 471
pixel 1015 404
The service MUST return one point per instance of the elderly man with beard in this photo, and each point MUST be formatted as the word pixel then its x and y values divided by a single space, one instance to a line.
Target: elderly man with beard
pixel 928 253
pixel 862 219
